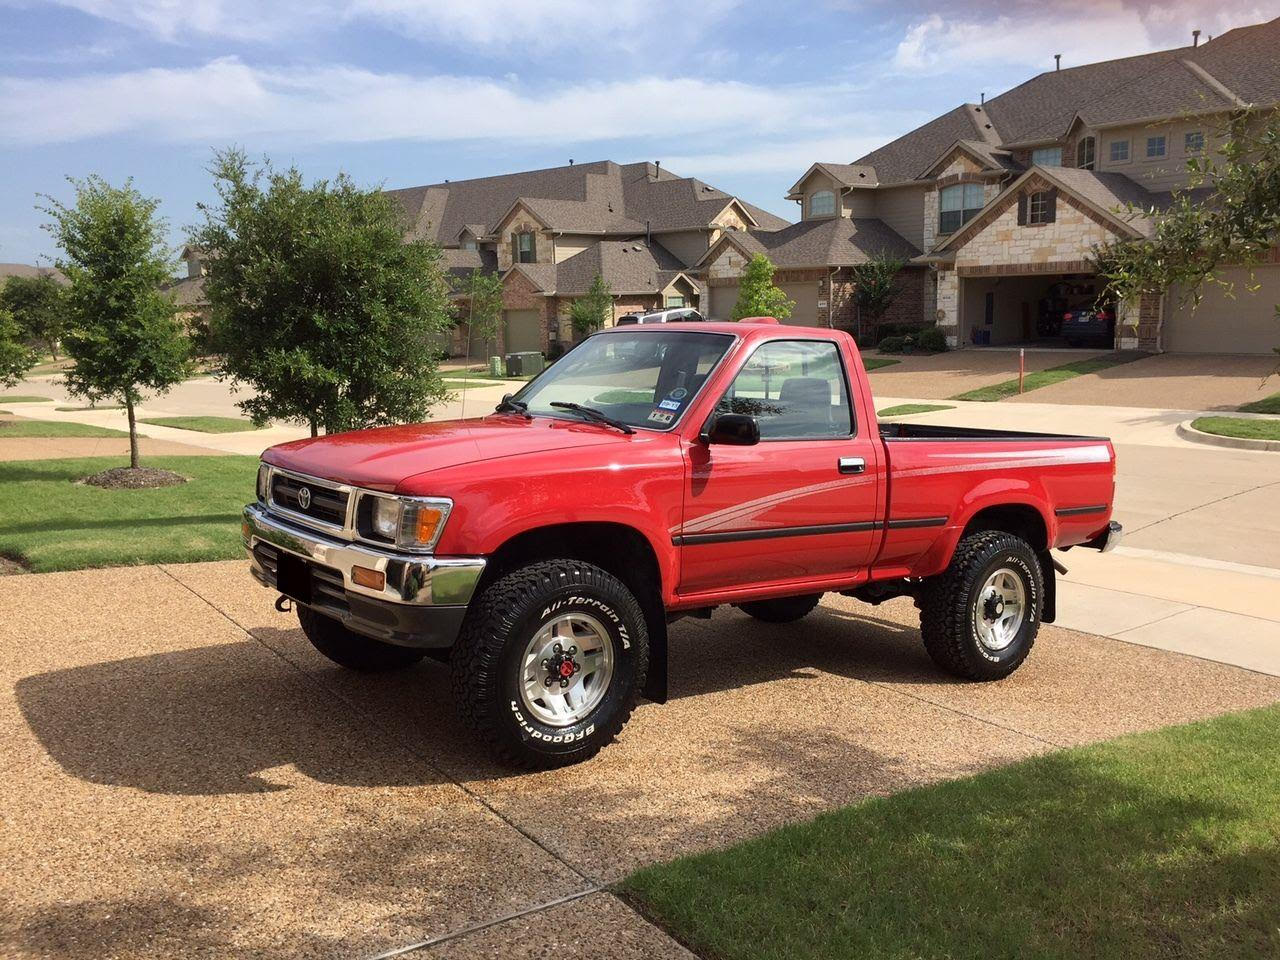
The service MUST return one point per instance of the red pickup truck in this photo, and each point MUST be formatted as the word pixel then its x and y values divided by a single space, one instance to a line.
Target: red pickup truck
pixel 651 473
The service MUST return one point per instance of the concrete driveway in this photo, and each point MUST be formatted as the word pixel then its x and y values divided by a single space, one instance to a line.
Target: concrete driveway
pixel 942 375
pixel 184 775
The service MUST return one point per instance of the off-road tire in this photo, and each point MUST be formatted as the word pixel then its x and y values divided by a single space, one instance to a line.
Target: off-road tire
pixel 486 661
pixel 351 650
pixel 947 603
pixel 781 610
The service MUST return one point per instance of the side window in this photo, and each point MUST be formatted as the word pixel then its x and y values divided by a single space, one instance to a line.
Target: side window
pixel 822 204
pixel 795 389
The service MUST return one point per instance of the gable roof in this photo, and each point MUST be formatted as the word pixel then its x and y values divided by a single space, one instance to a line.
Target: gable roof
pixel 630 267
pixel 833 242
pixel 8 270
pixel 845 174
pixel 601 197
pixel 991 158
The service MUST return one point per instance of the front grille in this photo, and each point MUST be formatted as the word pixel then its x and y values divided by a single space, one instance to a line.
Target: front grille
pixel 327 589
pixel 326 504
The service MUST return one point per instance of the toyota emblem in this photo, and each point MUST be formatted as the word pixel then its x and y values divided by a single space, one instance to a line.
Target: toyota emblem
pixel 304 497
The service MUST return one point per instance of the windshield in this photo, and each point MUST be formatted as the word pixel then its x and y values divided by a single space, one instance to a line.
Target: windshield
pixel 643 380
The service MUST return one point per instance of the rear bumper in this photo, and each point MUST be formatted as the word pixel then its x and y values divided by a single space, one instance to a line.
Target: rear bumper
pixel 422 604
pixel 1107 539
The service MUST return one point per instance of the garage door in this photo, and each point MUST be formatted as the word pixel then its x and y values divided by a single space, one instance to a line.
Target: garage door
pixel 805 295
pixel 524 331
pixel 1246 324
pixel 722 302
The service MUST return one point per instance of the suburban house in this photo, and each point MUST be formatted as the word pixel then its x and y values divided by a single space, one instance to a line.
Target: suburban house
pixel 550 232
pixel 999 204
pixel 8 270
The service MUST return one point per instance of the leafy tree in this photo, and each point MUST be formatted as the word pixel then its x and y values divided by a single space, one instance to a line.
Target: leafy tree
pixel 875 288
pixel 39 307
pixel 16 355
pixel 317 301
pixel 757 296
pixel 1192 241
pixel 122 331
pixel 484 308
pixel 590 311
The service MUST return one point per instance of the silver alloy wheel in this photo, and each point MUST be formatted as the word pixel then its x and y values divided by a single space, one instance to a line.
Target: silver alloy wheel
pixel 566 669
pixel 1000 609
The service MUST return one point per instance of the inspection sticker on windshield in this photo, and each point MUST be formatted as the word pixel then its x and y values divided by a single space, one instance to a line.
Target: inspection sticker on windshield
pixel 660 416
pixel 669 404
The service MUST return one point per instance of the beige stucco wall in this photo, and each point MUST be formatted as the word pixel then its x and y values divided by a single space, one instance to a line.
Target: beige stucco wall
pixel 566 245
pixel 687 246
pixel 859 203
pixel 1158 174
pixel 902 208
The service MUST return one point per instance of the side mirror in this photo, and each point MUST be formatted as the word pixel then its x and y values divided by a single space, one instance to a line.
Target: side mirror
pixel 734 429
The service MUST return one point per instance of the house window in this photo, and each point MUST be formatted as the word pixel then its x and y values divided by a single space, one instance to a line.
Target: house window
pixel 1156 146
pixel 1119 151
pixel 1038 205
pixel 468 244
pixel 526 250
pixel 1084 153
pixel 1193 142
pixel 674 300
pixel 1047 157
pixel 957 205
pixel 822 204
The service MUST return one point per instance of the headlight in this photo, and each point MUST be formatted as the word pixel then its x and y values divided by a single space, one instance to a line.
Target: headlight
pixel 414 523
pixel 264 473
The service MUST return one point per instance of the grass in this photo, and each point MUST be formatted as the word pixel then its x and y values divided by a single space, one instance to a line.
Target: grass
pixel 1269 404
pixel 53 523
pixel 1239 427
pixel 1045 378
pixel 22 398
pixel 1164 844
pixel 906 409
pixel 203 424
pixel 51 428
pixel 875 363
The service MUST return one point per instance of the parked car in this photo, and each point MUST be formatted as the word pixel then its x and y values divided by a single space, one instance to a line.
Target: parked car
pixel 1083 325
pixel 543 549
pixel 673 315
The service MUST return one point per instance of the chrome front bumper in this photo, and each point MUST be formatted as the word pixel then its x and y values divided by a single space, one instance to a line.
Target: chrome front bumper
pixel 422 603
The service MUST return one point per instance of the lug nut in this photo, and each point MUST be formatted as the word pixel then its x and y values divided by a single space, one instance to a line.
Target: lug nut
pixel 556 649
pixel 564 683
pixel 573 651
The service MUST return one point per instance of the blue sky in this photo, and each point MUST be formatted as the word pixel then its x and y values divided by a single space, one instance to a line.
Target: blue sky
pixel 742 94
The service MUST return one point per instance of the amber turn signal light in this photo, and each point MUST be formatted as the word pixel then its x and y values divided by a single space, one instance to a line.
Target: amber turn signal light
pixel 368 577
pixel 426 522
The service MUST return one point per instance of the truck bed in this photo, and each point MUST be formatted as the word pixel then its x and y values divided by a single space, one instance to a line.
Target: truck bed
pixel 927 431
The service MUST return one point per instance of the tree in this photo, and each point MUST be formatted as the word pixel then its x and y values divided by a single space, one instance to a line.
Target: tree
pixel 590 311
pixel 875 288
pixel 757 296
pixel 16 355
pixel 122 330
pixel 1192 241
pixel 484 308
pixel 39 307
pixel 317 301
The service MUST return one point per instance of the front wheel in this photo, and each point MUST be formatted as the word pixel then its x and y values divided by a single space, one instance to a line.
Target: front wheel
pixel 979 617
pixel 550 662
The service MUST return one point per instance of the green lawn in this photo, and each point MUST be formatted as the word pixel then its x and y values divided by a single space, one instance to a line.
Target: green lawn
pixel 1158 845
pixel 50 428
pixel 21 398
pixel 203 424
pixel 55 523
pixel 1239 427
pixel 906 409
pixel 875 363
pixel 1269 404
pixel 1043 378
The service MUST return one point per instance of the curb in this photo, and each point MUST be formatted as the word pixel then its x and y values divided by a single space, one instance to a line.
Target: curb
pixel 1188 432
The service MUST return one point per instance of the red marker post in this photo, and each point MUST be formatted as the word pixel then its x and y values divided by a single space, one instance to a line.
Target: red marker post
pixel 1022 367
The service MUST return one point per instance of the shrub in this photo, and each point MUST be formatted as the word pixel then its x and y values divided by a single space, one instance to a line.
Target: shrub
pixel 892 345
pixel 932 339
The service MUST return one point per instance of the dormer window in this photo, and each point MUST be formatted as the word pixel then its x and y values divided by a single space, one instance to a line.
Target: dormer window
pixel 524 247
pixel 822 204
pixel 957 205
pixel 1047 157
pixel 468 243
pixel 1085 153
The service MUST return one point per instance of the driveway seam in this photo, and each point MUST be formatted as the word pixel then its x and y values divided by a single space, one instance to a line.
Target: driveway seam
pixel 1201 506
pixel 971 716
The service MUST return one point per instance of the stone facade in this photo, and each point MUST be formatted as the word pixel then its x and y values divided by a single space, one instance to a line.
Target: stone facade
pixel 948 293
pixel 1138 323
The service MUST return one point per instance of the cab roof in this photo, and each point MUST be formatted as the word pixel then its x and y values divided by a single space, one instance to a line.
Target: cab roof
pixel 752 328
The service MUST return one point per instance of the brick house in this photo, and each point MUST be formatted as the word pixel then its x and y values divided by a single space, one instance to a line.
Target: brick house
pixel 548 233
pixel 1002 203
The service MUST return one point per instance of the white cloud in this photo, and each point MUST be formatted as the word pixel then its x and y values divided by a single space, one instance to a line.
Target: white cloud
pixel 226 100
pixel 789 157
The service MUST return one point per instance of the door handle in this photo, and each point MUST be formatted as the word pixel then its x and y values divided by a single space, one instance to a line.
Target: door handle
pixel 852 464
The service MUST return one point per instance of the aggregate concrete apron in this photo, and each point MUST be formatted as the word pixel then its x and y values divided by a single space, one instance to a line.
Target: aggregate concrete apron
pixel 183 775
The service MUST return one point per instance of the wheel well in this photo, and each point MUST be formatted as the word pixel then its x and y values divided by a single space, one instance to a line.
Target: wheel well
pixel 621 550
pixel 1019 519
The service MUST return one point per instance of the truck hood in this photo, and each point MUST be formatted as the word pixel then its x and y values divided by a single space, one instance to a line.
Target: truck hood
pixel 382 458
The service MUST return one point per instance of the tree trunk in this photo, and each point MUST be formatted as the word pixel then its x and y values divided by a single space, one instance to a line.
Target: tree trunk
pixel 315 432
pixel 53 350
pixel 133 431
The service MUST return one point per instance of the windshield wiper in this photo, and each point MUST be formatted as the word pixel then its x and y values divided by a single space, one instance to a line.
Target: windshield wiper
pixel 591 413
pixel 510 405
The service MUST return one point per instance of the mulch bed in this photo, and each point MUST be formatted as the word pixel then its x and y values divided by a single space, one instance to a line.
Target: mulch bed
pixel 134 478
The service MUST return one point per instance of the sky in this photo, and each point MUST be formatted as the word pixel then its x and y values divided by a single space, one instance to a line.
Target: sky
pixel 744 95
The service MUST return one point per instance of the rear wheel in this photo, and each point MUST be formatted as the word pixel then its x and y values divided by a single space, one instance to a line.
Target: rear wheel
pixel 550 662
pixel 351 650
pixel 979 618
pixel 781 610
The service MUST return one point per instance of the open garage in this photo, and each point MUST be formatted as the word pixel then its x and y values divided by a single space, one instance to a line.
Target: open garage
pixel 1027 309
